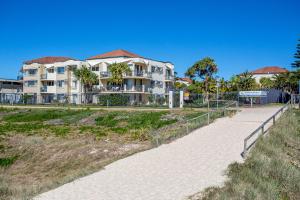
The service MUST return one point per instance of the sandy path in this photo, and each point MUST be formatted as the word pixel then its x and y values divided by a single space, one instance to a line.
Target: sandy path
pixel 171 171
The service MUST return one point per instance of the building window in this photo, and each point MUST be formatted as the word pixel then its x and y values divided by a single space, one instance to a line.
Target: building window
pixel 74 84
pixel 50 83
pixel 51 70
pixel 32 72
pixel 95 69
pixel 30 83
pixel 159 84
pixel 60 83
pixel 60 97
pixel 152 69
pixel 60 70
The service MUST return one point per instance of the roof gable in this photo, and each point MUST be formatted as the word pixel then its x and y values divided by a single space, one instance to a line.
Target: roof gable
pixel 116 53
pixel 270 70
pixel 48 60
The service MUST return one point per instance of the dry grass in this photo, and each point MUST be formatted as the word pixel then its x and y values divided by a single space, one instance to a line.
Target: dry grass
pixel 43 149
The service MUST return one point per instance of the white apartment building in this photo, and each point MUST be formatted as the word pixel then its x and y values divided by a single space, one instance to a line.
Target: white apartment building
pixel 147 76
pixel 51 79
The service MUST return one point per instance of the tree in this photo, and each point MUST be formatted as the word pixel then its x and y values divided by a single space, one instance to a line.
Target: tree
pixel 117 70
pixel 247 82
pixel 203 69
pixel 87 79
pixel 266 83
pixel 288 81
pixel 179 85
pixel 296 64
pixel 234 83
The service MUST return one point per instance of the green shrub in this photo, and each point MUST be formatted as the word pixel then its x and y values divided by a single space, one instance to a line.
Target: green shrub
pixel 114 99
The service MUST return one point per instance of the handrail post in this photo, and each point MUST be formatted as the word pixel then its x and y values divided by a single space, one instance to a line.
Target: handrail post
pixel 245 148
pixel 262 129
pixel 273 119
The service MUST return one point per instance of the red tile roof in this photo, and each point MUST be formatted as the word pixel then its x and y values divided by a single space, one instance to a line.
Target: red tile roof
pixel 270 70
pixel 48 60
pixel 116 53
pixel 186 80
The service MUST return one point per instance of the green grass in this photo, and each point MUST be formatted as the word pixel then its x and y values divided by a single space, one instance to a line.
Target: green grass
pixel 44 115
pixel 271 171
pixel 124 122
pixel 25 128
pixel 7 161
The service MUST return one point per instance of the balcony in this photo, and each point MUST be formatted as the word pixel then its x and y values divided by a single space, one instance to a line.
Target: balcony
pixel 134 74
pixel 43 76
pixel 125 89
pixel 169 77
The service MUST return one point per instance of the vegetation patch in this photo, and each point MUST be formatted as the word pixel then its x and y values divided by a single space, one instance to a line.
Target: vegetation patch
pixel 7 161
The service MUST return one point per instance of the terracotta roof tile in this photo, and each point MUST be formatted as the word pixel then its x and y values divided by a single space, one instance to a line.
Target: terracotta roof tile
pixel 48 60
pixel 270 70
pixel 186 80
pixel 116 53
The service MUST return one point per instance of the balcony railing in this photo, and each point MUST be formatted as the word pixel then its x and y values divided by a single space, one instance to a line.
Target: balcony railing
pixel 129 74
pixel 169 77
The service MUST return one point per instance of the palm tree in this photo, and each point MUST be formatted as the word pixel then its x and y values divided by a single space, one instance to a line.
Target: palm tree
pixel 87 79
pixel 117 70
pixel 203 69
pixel 247 82
pixel 234 83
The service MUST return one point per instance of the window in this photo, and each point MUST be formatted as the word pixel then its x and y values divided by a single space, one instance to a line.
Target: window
pixel 50 83
pixel 60 83
pixel 51 70
pixel 95 69
pixel 60 97
pixel 152 69
pixel 60 70
pixel 32 72
pixel 74 84
pixel 159 84
pixel 30 83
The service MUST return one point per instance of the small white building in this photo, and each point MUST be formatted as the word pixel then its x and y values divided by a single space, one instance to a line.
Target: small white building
pixel 185 81
pixel 268 72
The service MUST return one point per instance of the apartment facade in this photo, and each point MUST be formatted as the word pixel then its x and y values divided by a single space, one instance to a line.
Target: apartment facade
pixel 51 79
pixel 147 76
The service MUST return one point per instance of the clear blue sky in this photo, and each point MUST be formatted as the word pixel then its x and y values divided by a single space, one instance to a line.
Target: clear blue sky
pixel 239 35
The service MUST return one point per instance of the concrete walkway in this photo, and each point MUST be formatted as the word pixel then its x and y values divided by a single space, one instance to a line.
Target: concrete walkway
pixel 172 171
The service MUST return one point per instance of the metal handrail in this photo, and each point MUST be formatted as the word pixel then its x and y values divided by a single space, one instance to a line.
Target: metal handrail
pixel 262 129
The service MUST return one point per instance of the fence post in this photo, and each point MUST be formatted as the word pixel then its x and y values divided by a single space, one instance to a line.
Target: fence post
pixel 208 118
pixel 262 129
pixel 187 127
pixel 273 119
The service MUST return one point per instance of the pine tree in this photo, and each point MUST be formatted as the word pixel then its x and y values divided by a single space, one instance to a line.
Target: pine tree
pixel 296 64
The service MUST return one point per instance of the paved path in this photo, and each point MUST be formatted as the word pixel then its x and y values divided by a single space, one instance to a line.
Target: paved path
pixel 171 171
